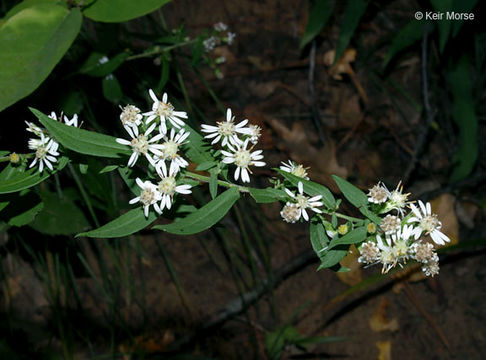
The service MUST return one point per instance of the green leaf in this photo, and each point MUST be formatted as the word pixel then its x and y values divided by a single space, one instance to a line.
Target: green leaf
pixel 197 51
pixel 33 41
pixel 23 208
pixel 464 115
pixel 311 188
pixel 28 3
pixel 407 36
pixel 127 224
pixel 83 141
pixel 319 14
pixel 94 66
pixel 332 257
pixel 195 148
pixel 121 10
pixel 370 215
pixel 18 179
pixel 112 90
pixel 213 183
pixel 59 216
pixel 355 236
pixel 267 195
pixel 205 217
pixel 444 25
pixel 206 165
pixel 354 10
pixel 354 195
pixel 164 73
pixel 318 237
pixel 108 168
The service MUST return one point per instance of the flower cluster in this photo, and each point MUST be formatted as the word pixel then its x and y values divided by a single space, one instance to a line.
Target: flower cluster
pixel 296 208
pixel 219 36
pixel 44 146
pixel 152 139
pixel 402 236
pixel 235 139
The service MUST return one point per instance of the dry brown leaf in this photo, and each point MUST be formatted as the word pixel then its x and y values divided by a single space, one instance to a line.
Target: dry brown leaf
pixel 384 348
pixel 350 261
pixel 443 206
pixel 379 321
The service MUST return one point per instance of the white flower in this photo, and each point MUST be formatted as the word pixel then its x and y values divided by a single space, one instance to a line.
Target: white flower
pixel 227 130
pixel 230 37
pixel 149 196
pixel 165 111
pixel 141 145
pixel 396 248
pixel 378 194
pixel 305 202
pixel 397 200
pixel 45 152
pixel 209 44
pixel 103 60
pixel 290 212
pixel 167 187
pixel 243 158
pixel 169 151
pixel 220 26
pixel 254 133
pixel 295 169
pixel 72 122
pixel 33 128
pixel 131 119
pixel 428 222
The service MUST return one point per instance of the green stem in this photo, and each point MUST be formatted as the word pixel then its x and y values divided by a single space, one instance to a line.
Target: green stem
pixel 160 50
pixel 85 196
pixel 342 216
pixel 206 179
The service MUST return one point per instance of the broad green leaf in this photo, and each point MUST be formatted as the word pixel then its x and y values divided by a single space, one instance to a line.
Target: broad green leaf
pixel 311 188
pixel 95 66
pixel 319 14
pixel 3 204
pixel 354 10
pixel 318 237
pixel 354 195
pixel 127 224
pixel 121 10
pixel 353 237
pixel 267 195
pixel 213 183
pixel 59 216
pixel 29 3
pixel 462 6
pixel 4 153
pixel 18 179
pixel 108 168
pixel 83 141
pixel 33 41
pixel 205 217
pixel 464 115
pixel 195 148
pixel 408 35
pixel 332 257
pixel 444 25
pixel 27 216
pixel 370 215
pixel 112 90
pixel 22 209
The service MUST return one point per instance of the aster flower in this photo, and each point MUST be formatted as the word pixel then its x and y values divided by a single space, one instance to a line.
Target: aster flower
pixel 395 248
pixel 142 145
pixel 428 222
pixel 168 187
pixel 254 133
pixel 369 253
pixel 227 130
pixel 170 148
pixel 230 37
pixel 71 122
pixel 378 194
pixel 397 200
pixel 390 224
pixel 295 169
pixel 290 212
pixel 148 196
pixel 220 26
pixel 209 44
pixel 303 202
pixel 33 128
pixel 131 119
pixel 164 110
pixel 243 158
pixel 45 152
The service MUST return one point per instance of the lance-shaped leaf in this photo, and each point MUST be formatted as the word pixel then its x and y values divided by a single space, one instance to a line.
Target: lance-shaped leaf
pixel 311 188
pixel 127 224
pixel 121 10
pixel 318 237
pixel 353 237
pixel 319 14
pixel 83 141
pixel 354 195
pixel 332 257
pixel 14 179
pixel 268 195
pixel 33 41
pixel 205 217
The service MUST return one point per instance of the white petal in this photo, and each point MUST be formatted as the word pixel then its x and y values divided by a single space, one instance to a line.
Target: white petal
pixel 300 186
pixel 237 172
pixel 153 96
pixel 133 159
pixel 304 215
pixel 134 200
pixel 123 141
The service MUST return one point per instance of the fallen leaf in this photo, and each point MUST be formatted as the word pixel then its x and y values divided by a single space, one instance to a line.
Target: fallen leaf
pixel 354 275
pixel 384 348
pixel 379 321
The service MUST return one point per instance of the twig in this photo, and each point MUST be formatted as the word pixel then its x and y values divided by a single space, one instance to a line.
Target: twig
pixel 429 114
pixel 240 304
pixel 315 110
